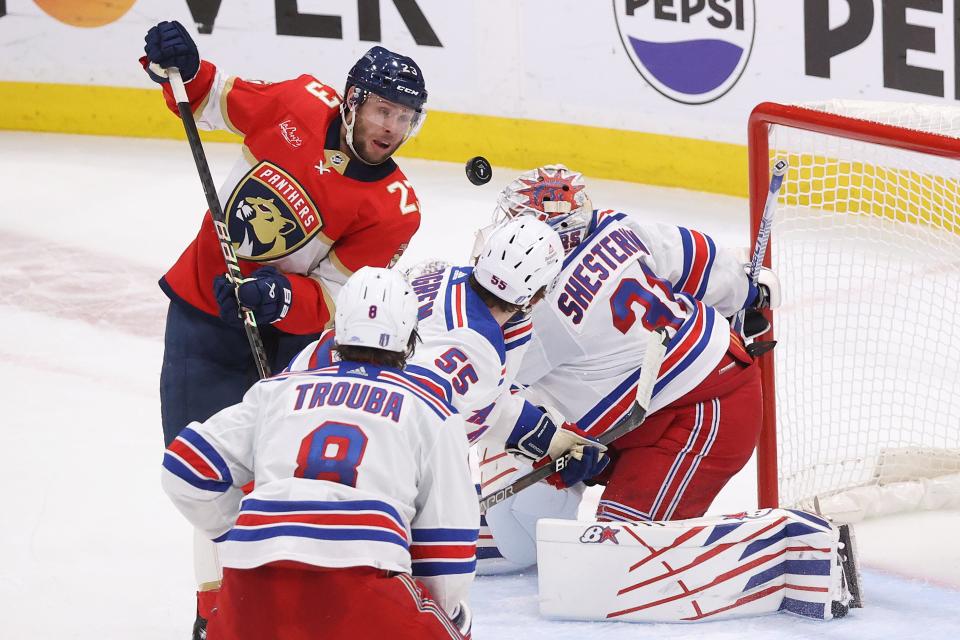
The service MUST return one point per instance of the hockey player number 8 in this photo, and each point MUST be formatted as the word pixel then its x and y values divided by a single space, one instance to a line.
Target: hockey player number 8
pixel 332 451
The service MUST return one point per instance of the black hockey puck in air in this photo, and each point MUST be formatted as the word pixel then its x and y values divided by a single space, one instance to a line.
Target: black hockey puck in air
pixel 479 171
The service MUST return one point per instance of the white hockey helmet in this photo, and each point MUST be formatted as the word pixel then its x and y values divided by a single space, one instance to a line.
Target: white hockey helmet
pixel 518 259
pixel 553 194
pixel 376 308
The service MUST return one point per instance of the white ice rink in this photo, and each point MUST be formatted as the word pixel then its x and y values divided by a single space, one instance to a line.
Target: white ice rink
pixel 90 548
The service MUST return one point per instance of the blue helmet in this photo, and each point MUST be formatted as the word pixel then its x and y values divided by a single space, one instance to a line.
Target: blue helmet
pixel 391 76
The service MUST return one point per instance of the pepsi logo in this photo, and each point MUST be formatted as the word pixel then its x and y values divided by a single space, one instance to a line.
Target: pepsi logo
pixel 691 51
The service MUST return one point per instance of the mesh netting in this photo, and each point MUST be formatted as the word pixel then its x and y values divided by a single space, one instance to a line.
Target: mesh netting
pixel 866 243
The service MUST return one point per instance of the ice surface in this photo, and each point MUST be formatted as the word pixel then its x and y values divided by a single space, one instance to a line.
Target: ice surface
pixel 89 547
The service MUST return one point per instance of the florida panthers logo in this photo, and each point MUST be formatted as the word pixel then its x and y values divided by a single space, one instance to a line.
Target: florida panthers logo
pixel 270 228
pixel 269 215
pixel 553 194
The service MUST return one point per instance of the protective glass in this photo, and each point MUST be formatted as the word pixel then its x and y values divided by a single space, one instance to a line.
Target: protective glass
pixel 392 116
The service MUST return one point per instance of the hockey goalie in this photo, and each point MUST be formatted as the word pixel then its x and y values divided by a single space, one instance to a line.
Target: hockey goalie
pixel 650 555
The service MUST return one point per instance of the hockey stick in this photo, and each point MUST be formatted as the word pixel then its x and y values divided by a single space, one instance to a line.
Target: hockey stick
pixel 207 555
pixel 219 219
pixel 656 349
pixel 763 234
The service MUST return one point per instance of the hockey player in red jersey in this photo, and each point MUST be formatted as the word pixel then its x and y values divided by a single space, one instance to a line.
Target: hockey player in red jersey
pixel 313 197
pixel 363 519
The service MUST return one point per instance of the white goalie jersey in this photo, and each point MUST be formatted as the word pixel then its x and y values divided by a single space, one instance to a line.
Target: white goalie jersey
pixel 623 280
pixel 354 466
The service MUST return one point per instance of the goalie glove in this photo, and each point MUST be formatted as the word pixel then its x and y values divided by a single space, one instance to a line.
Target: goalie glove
pixel 765 293
pixel 541 435
pixel 754 324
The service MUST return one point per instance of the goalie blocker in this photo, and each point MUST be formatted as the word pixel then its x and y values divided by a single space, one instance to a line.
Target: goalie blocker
pixel 740 565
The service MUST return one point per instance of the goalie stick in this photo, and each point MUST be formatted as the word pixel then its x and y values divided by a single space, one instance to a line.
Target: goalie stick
pixel 656 349
pixel 219 219
pixel 763 233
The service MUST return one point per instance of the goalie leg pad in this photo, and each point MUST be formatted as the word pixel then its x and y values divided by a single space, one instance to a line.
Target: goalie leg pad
pixel 512 524
pixel 507 541
pixel 733 566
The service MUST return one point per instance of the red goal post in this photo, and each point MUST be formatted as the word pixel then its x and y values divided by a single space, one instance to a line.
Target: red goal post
pixel 857 179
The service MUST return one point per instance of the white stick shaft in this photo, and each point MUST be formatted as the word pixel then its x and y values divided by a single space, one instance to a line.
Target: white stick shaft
pixel 176 84
pixel 763 232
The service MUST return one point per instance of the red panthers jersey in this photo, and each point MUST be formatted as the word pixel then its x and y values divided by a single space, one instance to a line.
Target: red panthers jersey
pixel 293 199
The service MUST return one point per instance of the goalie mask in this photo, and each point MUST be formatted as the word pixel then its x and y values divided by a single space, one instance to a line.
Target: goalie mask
pixel 376 308
pixel 553 194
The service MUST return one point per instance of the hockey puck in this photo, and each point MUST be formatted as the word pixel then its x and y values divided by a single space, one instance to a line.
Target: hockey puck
pixel 479 171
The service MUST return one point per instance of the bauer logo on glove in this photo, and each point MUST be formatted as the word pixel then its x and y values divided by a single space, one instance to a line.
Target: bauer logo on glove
pixel 542 436
pixel 267 293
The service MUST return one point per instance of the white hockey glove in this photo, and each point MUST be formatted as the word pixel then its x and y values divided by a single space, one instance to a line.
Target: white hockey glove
pixel 568 438
pixel 765 294
pixel 463 619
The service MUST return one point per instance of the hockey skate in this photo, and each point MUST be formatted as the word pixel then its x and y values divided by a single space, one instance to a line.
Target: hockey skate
pixel 851 595
pixel 199 628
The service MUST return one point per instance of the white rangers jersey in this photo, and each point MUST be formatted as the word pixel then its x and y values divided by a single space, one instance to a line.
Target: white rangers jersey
pixel 353 465
pixel 464 357
pixel 622 281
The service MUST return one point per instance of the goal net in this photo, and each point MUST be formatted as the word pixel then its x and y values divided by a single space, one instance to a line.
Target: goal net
pixel 862 412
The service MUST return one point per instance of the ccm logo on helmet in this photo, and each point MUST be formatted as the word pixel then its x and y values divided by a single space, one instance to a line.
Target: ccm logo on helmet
pixel 691 51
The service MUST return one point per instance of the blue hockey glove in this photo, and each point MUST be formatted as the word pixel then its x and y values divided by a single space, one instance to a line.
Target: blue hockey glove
pixel 541 435
pixel 591 462
pixel 169 45
pixel 266 292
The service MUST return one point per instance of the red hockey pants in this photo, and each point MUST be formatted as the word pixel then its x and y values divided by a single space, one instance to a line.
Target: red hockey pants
pixel 673 466
pixel 293 602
